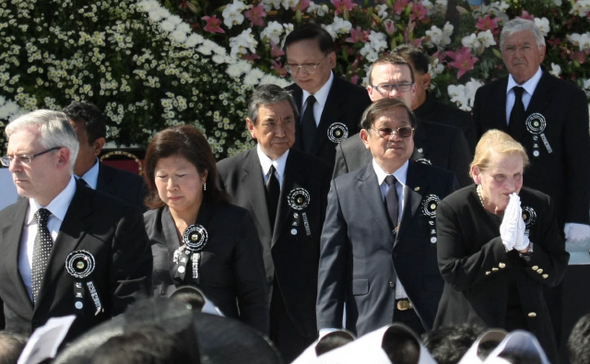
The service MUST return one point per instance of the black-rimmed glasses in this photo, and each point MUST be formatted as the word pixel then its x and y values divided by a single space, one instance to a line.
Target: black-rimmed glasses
pixel 23 158
pixel 399 87
pixel 403 132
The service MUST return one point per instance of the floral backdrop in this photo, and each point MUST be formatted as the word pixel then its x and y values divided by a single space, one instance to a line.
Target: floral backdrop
pixel 150 64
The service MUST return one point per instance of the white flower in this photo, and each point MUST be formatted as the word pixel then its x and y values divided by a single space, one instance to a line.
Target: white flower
pixel 148 5
pixel 543 24
pixel 238 69
pixel 557 2
pixel 339 26
pixel 435 37
pixel 580 40
pixel 378 40
pixel 435 68
pixel 272 32
pixel 193 40
pixel 486 38
pixel 471 41
pixel 288 4
pixel 319 10
pixel 232 14
pixel 555 69
pixel 580 8
pixel 271 4
pixel 441 6
pixel 243 43
pixel 253 77
pixel 178 36
pixel 428 5
pixel 382 10
pixel 167 25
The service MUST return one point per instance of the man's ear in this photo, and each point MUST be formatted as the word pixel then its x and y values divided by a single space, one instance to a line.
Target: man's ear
pixel 426 78
pixel 98 145
pixel 64 156
pixel 332 59
pixel 364 134
pixel 251 128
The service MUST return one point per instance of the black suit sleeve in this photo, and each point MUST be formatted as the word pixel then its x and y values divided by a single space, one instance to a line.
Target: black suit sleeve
pixel 250 277
pixel 131 266
pixel 459 159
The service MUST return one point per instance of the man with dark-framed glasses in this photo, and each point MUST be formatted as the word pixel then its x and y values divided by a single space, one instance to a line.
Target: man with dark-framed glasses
pixel 330 107
pixel 378 245
pixel 441 145
pixel 66 249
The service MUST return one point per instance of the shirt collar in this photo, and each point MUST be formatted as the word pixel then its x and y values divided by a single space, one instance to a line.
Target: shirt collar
pixel 58 206
pixel 322 94
pixel 91 176
pixel 266 162
pixel 401 174
pixel 529 86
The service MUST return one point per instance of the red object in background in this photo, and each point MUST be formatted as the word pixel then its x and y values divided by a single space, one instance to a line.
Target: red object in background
pixel 128 160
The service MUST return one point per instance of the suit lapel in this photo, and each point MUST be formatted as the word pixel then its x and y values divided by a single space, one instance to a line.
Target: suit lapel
pixel 70 234
pixel 542 96
pixel 368 186
pixel 413 193
pixel 253 181
pixel 332 111
pixel 104 182
pixel 12 245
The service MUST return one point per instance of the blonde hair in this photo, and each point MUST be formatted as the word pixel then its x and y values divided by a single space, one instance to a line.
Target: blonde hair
pixel 496 141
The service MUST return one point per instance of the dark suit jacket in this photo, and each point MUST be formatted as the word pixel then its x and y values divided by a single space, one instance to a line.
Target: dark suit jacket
pixel 345 104
pixel 440 145
pixel 110 230
pixel 435 111
pixel 563 174
pixel 477 269
pixel 360 257
pixel 127 186
pixel 231 271
pixel 293 258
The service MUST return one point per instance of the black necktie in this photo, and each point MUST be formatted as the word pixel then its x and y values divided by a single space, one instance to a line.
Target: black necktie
pixel 516 126
pixel 391 200
pixel 41 251
pixel 308 126
pixel 273 190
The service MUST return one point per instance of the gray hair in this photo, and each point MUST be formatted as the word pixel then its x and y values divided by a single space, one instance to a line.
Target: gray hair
pixel 519 25
pixel 269 94
pixel 55 129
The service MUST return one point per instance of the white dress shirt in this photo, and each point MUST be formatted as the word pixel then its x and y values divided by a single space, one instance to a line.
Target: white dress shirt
pixel 321 96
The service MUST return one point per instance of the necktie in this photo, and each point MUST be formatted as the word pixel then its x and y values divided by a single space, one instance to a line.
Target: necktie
pixel 391 200
pixel 41 251
pixel 308 126
pixel 516 126
pixel 273 190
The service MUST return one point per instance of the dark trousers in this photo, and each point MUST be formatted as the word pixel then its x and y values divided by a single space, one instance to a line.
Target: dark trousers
pixel 409 318
pixel 282 332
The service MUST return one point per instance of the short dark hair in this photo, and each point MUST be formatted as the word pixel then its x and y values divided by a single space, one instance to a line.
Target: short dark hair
pixel 11 346
pixel 269 94
pixel 401 346
pixel 311 31
pixel 333 340
pixel 448 344
pixel 377 108
pixel 414 55
pixel 578 344
pixel 143 345
pixel 94 120
pixel 392 59
pixel 188 142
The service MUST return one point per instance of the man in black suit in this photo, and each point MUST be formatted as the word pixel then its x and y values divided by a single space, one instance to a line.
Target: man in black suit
pixel 334 111
pixel 285 190
pixel 66 249
pixel 90 125
pixel 378 247
pixel 549 117
pixel 443 146
pixel 424 105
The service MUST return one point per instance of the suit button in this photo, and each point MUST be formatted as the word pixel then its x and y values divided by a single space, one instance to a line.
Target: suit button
pixel 532 314
pixel 495 269
pixel 391 284
pixel 539 270
pixel 545 276
pixel 488 273
pixel 502 265
pixel 535 267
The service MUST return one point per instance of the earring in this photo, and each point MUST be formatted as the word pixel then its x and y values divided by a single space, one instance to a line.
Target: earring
pixel 205 186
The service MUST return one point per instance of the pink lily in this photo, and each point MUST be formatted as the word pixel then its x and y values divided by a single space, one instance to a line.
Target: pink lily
pixel 213 24
pixel 463 60
pixel 256 15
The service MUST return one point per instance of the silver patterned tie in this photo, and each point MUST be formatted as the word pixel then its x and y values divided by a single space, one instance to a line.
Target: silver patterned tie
pixel 41 251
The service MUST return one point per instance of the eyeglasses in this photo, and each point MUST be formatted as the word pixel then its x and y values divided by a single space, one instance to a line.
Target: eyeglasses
pixel 399 87
pixel 309 68
pixel 403 132
pixel 23 158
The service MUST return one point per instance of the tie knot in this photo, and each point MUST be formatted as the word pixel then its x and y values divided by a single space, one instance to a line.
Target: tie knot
pixel 518 91
pixel 310 100
pixel 390 180
pixel 41 216
pixel 271 170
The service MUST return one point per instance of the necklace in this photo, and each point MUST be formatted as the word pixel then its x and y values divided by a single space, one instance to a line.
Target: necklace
pixel 478 189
